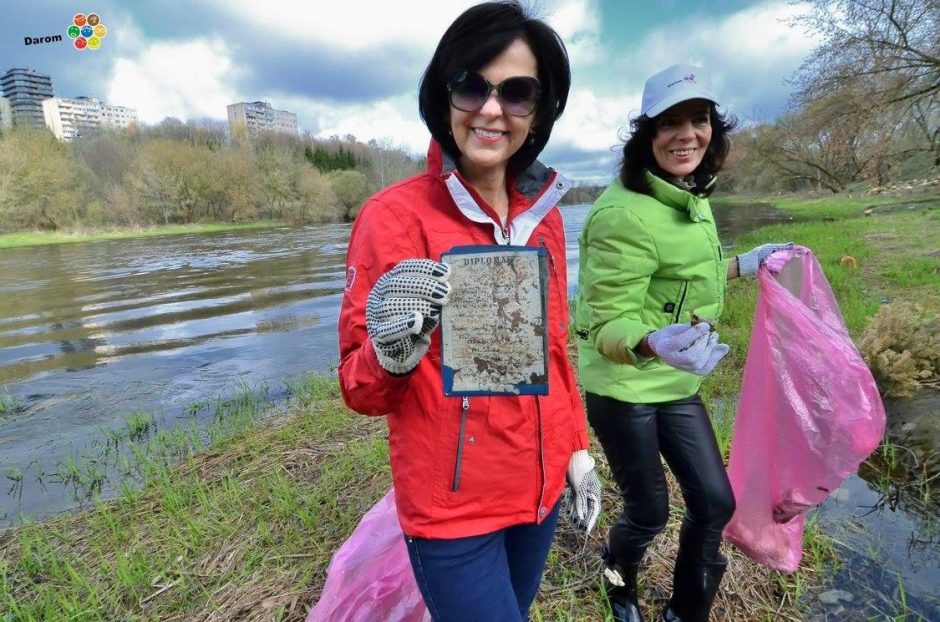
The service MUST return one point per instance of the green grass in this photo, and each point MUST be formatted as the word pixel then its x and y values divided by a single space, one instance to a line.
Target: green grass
pixel 8 402
pixel 252 519
pixel 37 238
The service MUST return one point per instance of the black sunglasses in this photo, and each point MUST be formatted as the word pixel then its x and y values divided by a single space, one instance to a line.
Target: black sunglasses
pixel 518 95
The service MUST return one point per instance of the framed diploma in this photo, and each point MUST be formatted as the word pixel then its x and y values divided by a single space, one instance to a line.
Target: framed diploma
pixel 494 330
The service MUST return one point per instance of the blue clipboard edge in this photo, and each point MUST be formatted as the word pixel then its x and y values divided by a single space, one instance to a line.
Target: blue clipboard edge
pixel 447 372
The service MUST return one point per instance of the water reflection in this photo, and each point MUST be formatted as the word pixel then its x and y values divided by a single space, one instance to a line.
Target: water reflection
pixel 73 307
pixel 887 519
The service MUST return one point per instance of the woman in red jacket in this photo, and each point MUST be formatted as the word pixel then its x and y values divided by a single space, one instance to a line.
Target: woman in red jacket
pixel 477 480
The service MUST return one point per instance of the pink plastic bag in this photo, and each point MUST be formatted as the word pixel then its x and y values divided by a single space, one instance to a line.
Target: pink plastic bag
pixel 369 578
pixel 809 412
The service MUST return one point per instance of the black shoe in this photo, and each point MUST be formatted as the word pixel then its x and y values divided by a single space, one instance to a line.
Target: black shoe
pixel 624 604
pixel 670 616
pixel 694 587
pixel 625 612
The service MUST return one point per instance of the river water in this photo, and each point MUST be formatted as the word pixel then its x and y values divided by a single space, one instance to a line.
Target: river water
pixel 91 333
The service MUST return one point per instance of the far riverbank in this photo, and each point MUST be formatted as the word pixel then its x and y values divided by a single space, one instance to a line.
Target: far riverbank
pixel 40 238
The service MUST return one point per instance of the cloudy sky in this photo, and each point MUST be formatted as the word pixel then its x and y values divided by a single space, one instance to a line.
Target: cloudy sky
pixel 353 66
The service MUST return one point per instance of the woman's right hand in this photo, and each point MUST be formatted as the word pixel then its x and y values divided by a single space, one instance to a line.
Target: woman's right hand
pixel 694 349
pixel 403 308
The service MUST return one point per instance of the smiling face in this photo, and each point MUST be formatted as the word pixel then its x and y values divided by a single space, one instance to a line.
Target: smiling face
pixel 682 136
pixel 488 137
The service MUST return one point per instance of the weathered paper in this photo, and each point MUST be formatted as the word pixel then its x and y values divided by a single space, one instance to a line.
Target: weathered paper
pixel 493 330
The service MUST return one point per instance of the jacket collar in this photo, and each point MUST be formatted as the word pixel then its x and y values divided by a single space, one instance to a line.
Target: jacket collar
pixel 529 182
pixel 669 194
pixel 541 186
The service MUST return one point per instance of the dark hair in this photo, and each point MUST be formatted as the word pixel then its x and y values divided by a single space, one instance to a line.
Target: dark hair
pixel 479 35
pixel 638 152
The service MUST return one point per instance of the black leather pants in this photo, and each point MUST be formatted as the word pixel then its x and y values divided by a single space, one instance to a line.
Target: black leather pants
pixel 633 437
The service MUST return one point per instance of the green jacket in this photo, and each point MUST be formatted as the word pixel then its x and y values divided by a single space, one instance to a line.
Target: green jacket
pixel 645 262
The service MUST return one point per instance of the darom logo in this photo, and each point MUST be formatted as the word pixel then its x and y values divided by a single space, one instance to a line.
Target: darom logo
pixel 86 31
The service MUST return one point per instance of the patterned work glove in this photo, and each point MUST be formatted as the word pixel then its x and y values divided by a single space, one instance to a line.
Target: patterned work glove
pixel 582 501
pixel 403 308
pixel 694 349
pixel 749 262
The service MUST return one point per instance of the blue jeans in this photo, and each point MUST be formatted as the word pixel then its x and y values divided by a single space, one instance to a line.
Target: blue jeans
pixel 488 578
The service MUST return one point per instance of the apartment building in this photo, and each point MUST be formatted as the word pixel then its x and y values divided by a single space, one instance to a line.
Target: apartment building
pixel 259 116
pixel 68 118
pixel 25 90
pixel 118 116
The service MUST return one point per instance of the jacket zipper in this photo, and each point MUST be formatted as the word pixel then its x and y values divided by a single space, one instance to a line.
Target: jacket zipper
pixel 464 410
pixel 540 515
pixel 681 301
pixel 505 232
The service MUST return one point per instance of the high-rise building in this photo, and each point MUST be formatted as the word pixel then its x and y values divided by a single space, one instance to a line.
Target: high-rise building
pixel 68 118
pixel 261 117
pixel 6 113
pixel 26 89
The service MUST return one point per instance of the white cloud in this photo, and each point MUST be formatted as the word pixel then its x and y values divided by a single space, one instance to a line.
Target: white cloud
pixel 414 24
pixel 749 53
pixel 395 119
pixel 579 24
pixel 181 79
pixel 349 25
pixel 593 122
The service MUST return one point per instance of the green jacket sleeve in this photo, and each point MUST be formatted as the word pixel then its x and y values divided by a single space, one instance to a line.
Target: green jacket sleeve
pixel 618 257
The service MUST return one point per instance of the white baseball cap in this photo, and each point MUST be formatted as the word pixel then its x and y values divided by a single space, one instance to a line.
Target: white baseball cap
pixel 676 84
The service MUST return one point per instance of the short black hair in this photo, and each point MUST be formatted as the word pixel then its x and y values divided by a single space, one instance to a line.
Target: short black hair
pixel 479 35
pixel 638 152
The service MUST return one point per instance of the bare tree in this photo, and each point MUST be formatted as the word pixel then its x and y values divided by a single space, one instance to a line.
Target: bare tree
pixel 835 140
pixel 890 46
pixel 389 162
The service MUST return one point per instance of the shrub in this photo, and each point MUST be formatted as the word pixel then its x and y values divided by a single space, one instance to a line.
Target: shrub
pixel 901 346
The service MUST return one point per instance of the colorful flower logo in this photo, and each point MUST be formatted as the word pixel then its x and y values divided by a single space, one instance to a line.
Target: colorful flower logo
pixel 87 31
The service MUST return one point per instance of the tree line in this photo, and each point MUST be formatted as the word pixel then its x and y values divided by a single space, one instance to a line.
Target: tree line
pixel 181 173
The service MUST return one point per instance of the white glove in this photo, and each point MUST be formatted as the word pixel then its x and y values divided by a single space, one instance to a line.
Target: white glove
pixel 403 308
pixel 717 351
pixel 694 349
pixel 749 262
pixel 582 503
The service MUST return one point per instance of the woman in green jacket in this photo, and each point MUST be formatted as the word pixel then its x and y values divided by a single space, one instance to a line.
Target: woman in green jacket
pixel 650 265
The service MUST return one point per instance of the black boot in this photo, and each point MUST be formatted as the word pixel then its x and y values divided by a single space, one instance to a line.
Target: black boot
pixel 624 602
pixel 694 586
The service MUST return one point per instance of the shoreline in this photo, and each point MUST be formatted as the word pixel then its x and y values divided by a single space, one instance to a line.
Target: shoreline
pixel 22 239
pixel 244 527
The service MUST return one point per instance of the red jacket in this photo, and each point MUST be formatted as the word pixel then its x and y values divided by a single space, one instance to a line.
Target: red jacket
pixel 516 448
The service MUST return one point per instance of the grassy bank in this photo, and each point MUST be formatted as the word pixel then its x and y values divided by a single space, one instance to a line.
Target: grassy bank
pixel 244 529
pixel 39 238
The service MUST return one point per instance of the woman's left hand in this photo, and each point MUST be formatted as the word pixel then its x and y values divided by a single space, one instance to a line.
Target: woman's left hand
pixel 582 504
pixel 749 262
